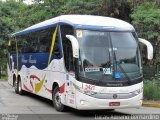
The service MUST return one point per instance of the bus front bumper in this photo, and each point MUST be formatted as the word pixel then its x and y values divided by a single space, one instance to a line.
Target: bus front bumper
pixel 85 102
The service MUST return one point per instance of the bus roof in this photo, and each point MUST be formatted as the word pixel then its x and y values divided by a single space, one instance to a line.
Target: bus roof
pixel 82 22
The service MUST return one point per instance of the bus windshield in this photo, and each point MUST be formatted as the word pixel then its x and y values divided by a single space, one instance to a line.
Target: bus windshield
pixel 108 56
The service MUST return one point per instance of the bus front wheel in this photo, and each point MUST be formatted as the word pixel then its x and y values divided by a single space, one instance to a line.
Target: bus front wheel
pixel 57 100
pixel 20 90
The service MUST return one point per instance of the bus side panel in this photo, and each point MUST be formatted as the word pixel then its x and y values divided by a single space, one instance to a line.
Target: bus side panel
pixel 33 80
pixel 10 70
pixel 55 75
pixel 10 75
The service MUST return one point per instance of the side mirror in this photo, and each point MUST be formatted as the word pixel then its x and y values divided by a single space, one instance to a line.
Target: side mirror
pixel 149 48
pixel 75 45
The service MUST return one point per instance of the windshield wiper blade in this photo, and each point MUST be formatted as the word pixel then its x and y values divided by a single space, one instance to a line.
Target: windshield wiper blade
pixel 108 64
pixel 122 70
pixel 128 78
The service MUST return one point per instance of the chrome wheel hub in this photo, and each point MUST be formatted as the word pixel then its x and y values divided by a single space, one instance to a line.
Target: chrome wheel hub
pixel 57 99
pixel 19 86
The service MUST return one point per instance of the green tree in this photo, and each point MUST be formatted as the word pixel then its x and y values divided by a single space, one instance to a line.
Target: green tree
pixel 31 14
pixel 81 7
pixel 10 15
pixel 120 9
pixel 9 23
pixel 146 20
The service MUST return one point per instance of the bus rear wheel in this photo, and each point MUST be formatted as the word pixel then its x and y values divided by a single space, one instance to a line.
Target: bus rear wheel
pixel 16 86
pixel 57 100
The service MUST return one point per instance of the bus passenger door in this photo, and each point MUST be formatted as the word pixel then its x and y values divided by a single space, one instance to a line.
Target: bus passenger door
pixel 69 64
pixel 70 89
pixel 70 77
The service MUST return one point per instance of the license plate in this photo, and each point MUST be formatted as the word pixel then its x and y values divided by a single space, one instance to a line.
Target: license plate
pixel 114 103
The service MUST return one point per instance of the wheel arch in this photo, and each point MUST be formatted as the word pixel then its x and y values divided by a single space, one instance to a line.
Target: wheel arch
pixel 55 84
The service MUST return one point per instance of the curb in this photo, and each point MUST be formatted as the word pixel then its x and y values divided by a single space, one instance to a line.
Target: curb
pixel 151 105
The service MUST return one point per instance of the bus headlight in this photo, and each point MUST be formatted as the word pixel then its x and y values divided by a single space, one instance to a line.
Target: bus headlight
pixel 136 92
pixel 82 102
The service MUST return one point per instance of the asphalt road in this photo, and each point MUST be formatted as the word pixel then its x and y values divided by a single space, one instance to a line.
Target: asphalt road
pixel 31 107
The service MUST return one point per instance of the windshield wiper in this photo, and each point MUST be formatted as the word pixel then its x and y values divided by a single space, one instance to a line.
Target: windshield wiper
pixel 108 64
pixel 122 70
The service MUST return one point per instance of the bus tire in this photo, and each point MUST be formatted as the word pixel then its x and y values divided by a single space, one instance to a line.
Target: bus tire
pixel 57 101
pixel 16 86
pixel 20 90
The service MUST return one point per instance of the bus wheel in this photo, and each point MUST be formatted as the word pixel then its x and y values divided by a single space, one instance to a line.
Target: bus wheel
pixel 21 92
pixel 57 100
pixel 16 86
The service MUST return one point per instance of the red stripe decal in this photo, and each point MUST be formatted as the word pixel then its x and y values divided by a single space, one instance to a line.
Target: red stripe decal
pixel 61 89
pixel 50 91
pixel 31 83
pixel 25 87
pixel 34 76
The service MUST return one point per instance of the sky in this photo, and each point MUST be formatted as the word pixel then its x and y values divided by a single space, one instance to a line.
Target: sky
pixel 28 2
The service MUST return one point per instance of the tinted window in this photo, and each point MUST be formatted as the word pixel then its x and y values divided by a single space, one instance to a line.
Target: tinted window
pixel 39 42
pixel 67 47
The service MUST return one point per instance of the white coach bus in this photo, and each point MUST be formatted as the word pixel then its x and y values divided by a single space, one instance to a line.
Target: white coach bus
pixel 81 61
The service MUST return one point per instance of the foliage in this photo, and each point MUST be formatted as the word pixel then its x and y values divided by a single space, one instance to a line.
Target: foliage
pixel 3 77
pixel 120 9
pixel 9 12
pixel 8 23
pixel 3 53
pixel 32 14
pixel 15 15
pixel 146 20
pixel 81 7
pixel 151 89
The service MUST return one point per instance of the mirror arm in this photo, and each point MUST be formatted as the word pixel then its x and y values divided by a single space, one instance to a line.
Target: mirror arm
pixel 149 48
pixel 75 49
pixel 75 45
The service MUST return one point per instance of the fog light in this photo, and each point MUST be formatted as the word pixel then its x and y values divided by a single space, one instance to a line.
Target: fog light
pixel 82 102
pixel 140 102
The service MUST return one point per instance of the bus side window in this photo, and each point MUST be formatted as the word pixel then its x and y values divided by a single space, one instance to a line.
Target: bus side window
pixel 45 40
pixel 56 49
pixel 22 44
pixel 67 47
pixel 13 47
